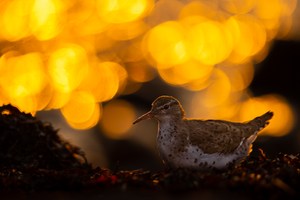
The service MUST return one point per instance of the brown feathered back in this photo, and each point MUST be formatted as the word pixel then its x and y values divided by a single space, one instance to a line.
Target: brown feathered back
pixel 223 136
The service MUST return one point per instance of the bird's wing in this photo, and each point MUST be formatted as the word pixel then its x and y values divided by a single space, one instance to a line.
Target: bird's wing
pixel 214 136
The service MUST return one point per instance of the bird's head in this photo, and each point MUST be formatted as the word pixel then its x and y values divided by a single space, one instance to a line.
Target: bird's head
pixel 164 107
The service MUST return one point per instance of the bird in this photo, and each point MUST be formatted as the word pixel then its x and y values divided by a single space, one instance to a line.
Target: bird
pixel 201 144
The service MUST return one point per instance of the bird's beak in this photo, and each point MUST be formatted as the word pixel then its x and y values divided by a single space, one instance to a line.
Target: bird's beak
pixel 145 116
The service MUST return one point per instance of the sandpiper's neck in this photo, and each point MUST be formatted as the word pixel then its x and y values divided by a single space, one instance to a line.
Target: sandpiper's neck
pixel 169 127
pixel 169 119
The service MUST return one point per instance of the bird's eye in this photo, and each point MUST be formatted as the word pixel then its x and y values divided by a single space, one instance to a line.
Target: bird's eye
pixel 166 107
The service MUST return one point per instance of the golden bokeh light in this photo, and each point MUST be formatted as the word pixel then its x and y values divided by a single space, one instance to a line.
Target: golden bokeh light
pixel 104 80
pixel 44 98
pixel 14 19
pixel 58 99
pixel 37 17
pixel 67 67
pixel 19 81
pixel 21 84
pixel 273 18
pixel 200 8
pixel 263 9
pixel 237 6
pixel 44 19
pixel 209 42
pixel 139 72
pixel 59 54
pixel 118 116
pixel 218 91
pixel 226 109
pixel 186 73
pixel 240 76
pixel 166 44
pixel 91 121
pixel 81 111
pixel 283 120
pixel 131 53
pixel 127 31
pixel 119 11
pixel 249 39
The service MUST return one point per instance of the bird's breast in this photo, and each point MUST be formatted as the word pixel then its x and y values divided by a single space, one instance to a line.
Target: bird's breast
pixel 171 142
pixel 165 139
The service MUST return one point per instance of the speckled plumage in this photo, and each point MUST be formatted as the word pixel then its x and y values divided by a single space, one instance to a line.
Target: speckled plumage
pixel 200 144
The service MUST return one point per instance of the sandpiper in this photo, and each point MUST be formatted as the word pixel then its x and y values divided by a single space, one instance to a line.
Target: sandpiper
pixel 200 144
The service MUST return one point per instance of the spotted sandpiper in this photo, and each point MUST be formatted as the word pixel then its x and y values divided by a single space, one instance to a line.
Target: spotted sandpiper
pixel 200 144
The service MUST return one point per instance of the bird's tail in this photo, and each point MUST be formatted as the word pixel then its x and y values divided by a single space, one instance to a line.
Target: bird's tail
pixel 262 121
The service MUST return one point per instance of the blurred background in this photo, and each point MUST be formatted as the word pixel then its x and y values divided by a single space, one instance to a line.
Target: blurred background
pixel 92 67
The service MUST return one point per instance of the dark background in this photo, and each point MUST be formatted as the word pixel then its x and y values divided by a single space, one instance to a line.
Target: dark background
pixel 279 73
